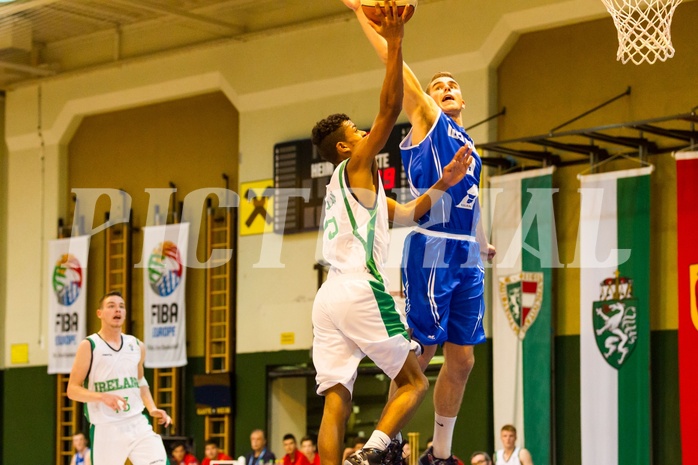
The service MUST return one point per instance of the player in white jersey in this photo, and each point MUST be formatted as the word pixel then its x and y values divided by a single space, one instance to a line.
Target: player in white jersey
pixel 107 376
pixel 443 271
pixel 511 454
pixel 353 314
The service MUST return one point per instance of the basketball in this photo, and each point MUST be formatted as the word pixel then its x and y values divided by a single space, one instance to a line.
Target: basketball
pixel 370 11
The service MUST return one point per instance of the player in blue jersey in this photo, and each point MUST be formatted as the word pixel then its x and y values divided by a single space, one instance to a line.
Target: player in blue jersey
pixel 443 272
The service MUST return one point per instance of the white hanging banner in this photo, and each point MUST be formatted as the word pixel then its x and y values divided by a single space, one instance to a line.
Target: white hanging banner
pixel 164 284
pixel 67 275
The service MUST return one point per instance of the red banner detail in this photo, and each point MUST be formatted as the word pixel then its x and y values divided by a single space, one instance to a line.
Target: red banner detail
pixel 687 229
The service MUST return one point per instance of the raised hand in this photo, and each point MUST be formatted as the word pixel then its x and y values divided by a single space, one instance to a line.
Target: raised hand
pixel 458 167
pixel 392 24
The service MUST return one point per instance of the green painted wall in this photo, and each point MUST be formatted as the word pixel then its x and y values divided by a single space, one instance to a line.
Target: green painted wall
pixel 567 441
pixel 666 437
pixel 28 416
pixel 27 405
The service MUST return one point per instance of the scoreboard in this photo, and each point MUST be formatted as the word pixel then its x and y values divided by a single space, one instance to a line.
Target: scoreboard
pixel 297 165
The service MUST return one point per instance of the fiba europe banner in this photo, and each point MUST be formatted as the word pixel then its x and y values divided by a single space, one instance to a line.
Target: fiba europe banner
pixel 164 284
pixel 67 275
pixel 523 231
pixel 614 323
pixel 687 225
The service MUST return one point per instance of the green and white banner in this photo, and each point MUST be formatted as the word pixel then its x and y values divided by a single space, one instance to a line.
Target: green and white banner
pixel 164 284
pixel 523 232
pixel 67 273
pixel 614 322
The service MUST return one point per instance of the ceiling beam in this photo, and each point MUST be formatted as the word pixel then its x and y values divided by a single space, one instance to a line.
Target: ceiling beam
pixel 26 69
pixel 14 8
pixel 221 27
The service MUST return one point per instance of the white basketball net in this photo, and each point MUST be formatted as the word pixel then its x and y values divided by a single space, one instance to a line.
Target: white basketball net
pixel 644 29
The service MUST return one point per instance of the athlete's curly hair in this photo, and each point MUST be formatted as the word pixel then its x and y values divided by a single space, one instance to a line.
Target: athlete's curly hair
pixel 327 133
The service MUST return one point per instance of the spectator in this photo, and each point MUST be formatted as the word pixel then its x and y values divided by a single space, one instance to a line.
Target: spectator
pixel 82 452
pixel 309 449
pixel 406 452
pixel 480 458
pixel 180 456
pixel 259 453
pixel 293 455
pixel 511 454
pixel 212 452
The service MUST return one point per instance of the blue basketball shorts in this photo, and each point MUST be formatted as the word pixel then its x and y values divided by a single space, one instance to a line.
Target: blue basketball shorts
pixel 444 282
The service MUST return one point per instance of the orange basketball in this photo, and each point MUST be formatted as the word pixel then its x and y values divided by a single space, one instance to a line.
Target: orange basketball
pixel 370 11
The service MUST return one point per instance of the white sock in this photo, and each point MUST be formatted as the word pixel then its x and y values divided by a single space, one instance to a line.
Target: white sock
pixel 443 436
pixel 378 440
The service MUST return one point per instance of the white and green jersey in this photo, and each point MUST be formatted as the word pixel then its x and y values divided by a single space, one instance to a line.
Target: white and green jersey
pixel 355 237
pixel 114 370
pixel 513 458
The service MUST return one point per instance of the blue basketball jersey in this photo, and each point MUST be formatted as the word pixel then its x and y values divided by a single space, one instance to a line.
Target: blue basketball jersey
pixel 459 210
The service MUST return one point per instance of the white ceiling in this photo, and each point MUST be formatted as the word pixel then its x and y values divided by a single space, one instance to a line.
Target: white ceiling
pixel 44 37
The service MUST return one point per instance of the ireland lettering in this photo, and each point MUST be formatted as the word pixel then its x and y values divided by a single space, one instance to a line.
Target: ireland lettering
pixel 116 384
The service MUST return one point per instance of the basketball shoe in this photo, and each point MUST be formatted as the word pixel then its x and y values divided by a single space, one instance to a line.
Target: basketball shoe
pixel 428 459
pixel 393 454
pixel 366 457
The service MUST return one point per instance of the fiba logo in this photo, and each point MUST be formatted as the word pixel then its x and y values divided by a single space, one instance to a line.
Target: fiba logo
pixel 67 279
pixel 164 269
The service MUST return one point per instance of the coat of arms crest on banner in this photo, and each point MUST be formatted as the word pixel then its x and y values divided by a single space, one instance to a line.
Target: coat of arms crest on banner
pixel 615 320
pixel 522 297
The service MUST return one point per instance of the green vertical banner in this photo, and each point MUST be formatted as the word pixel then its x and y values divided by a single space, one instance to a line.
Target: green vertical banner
pixel 614 318
pixel 522 333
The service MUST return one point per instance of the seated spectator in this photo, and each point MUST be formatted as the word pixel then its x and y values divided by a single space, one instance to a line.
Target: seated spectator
pixel 293 455
pixel 309 449
pixel 480 458
pixel 180 456
pixel 213 453
pixel 82 452
pixel 259 454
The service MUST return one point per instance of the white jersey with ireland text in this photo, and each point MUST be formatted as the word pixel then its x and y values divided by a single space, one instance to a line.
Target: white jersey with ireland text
pixel 114 370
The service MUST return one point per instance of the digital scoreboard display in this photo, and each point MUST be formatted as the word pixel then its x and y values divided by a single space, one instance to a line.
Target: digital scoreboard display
pixel 297 165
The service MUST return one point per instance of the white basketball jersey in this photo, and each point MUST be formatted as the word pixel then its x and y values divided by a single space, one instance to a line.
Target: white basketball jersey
pixel 355 238
pixel 114 370
pixel 513 460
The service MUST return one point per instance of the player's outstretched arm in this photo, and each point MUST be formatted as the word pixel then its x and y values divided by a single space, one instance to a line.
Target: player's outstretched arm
pixel 421 110
pixel 158 414
pixel 453 173
pixel 391 30
pixel 76 390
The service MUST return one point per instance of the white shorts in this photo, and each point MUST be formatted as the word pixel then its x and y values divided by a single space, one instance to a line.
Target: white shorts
pixel 353 317
pixel 132 438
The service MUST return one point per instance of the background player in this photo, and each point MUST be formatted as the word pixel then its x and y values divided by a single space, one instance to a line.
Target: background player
pixel 117 392
pixel 442 267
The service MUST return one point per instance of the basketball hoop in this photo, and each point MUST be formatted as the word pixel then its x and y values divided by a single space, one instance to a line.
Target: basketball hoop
pixel 644 29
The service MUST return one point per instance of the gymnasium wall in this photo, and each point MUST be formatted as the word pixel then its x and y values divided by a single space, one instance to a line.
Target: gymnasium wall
pixel 547 77
pixel 560 73
pixel 146 148
pixel 556 75
pixel 3 226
